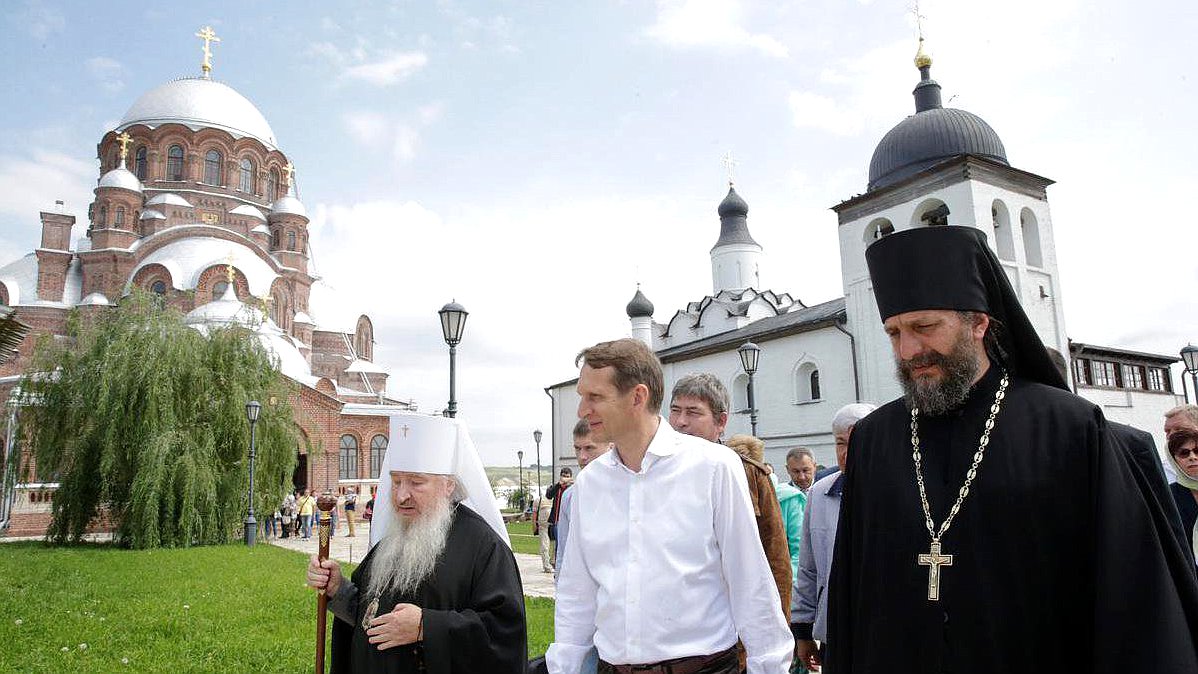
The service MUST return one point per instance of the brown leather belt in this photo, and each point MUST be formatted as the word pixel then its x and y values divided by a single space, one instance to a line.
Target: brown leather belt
pixel 689 665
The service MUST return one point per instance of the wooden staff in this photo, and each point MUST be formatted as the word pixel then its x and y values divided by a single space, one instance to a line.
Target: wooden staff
pixel 325 505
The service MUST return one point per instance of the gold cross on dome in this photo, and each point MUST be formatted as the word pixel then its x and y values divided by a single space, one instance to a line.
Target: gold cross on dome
pixel 124 140
pixel 208 36
pixel 229 271
pixel 289 169
pixel 730 164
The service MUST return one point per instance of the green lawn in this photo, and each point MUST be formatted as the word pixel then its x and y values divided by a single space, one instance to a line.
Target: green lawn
pixel 522 539
pixel 227 608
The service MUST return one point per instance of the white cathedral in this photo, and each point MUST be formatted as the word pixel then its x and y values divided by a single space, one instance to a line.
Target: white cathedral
pixel 938 166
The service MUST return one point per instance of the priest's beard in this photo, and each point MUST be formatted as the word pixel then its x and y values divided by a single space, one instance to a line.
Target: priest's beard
pixel 408 552
pixel 959 368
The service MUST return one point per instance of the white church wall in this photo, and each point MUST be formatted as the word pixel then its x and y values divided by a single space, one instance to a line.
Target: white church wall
pixel 735 267
pixel 1144 410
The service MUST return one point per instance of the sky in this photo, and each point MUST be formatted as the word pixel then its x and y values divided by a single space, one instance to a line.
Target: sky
pixel 536 160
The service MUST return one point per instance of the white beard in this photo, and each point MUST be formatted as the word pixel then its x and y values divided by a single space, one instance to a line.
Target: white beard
pixel 408 552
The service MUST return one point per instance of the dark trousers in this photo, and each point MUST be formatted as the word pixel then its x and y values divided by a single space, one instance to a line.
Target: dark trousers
pixel 723 663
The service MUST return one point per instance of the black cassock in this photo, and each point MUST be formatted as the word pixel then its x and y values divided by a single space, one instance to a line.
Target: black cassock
pixel 1063 560
pixel 473 607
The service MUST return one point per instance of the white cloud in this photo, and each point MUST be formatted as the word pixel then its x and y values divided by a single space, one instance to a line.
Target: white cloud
pixel 40 20
pixel 32 183
pixel 401 135
pixel 709 23
pixel 810 110
pixel 108 72
pixel 389 69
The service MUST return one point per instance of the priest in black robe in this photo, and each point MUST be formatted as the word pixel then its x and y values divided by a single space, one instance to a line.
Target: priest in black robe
pixel 1057 555
pixel 439 591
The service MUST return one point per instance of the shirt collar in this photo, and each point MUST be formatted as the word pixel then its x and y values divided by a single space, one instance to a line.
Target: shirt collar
pixel 664 443
pixel 837 486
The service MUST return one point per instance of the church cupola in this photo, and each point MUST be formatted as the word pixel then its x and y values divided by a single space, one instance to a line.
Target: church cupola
pixel 640 315
pixel 735 257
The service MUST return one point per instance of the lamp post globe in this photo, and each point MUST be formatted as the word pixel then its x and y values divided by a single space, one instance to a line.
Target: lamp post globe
pixel 750 353
pixel 453 324
pixel 252 409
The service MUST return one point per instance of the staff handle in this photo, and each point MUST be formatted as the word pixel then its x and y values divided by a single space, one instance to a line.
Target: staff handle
pixel 325 505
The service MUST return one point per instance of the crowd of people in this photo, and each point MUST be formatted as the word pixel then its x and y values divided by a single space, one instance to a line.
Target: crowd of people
pixel 297 515
pixel 988 520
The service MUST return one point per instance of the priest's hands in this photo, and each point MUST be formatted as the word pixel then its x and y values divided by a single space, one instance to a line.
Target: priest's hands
pixel 324 575
pixel 400 626
pixel 808 654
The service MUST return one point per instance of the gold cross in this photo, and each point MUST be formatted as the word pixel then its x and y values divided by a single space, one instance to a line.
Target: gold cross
pixel 229 268
pixel 918 19
pixel 934 560
pixel 730 164
pixel 124 139
pixel 208 36
pixel 289 169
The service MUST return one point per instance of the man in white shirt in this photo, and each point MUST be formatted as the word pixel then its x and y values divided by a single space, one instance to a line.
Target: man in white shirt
pixel 663 570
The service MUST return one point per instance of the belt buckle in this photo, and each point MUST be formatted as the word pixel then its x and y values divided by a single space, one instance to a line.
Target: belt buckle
pixel 651 669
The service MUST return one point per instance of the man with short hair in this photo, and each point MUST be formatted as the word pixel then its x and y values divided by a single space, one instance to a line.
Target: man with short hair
pixel 800 466
pixel 809 604
pixel 1182 416
pixel 439 591
pixel 699 406
pixel 663 568
pixel 554 493
pixel 989 513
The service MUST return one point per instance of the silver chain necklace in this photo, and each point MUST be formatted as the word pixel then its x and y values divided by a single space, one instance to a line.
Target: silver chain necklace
pixel 933 559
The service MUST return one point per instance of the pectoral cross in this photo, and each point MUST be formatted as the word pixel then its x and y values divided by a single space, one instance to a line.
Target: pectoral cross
pixel 934 560
pixel 208 36
pixel 730 164
pixel 124 139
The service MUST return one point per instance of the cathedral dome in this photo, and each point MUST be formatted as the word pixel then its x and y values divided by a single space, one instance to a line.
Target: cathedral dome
pixel 931 135
pixel 200 103
pixel 733 205
pixel 121 177
pixel 224 312
pixel 290 205
pixel 640 306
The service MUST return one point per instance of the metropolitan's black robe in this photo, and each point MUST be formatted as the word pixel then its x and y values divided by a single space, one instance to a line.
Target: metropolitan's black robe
pixel 473 607
pixel 1141 449
pixel 1063 560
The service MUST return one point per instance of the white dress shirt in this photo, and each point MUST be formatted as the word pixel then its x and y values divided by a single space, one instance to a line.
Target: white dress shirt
pixel 666 563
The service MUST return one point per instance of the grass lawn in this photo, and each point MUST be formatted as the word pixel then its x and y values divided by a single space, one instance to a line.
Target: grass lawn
pixel 98 608
pixel 522 539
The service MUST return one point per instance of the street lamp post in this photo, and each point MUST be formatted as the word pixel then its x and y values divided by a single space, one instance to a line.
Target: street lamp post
pixel 749 354
pixel 1189 357
pixel 520 486
pixel 453 322
pixel 252 409
pixel 536 436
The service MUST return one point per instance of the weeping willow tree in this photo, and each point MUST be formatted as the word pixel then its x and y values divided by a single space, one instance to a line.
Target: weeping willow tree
pixel 142 419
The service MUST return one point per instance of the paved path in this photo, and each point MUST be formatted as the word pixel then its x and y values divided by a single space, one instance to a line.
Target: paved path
pixel 344 548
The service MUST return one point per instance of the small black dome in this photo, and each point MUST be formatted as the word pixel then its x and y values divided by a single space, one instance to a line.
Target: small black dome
pixel 930 136
pixel 733 205
pixel 640 306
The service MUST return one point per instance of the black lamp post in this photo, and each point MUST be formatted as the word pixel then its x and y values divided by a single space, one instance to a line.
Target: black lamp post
pixel 1189 357
pixel 252 409
pixel 536 436
pixel 453 322
pixel 749 354
pixel 523 494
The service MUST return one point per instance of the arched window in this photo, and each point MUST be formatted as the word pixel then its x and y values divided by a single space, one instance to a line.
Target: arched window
pixel 212 162
pixel 274 239
pixel 103 221
pixel 120 216
pixel 929 213
pixel 247 176
pixel 290 240
pixel 877 229
pixel 158 287
pixel 1004 238
pixel 174 162
pixel 378 449
pixel 139 163
pixel 1031 238
pixel 349 458
pixel 740 393
pixel 218 289
pixel 272 185
pixel 807 386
